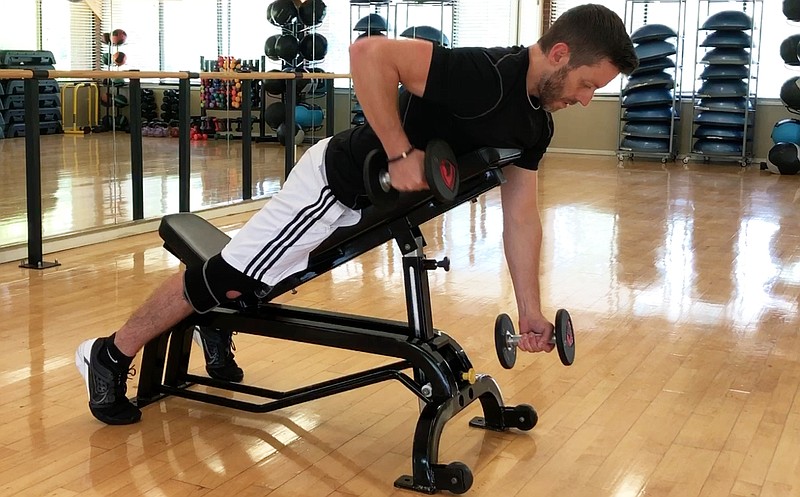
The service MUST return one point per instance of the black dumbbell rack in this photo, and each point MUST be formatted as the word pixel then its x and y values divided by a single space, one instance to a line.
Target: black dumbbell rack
pixel 12 94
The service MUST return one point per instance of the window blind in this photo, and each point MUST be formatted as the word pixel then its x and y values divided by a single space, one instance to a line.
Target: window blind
pixel 478 23
pixel 69 30
pixel 139 19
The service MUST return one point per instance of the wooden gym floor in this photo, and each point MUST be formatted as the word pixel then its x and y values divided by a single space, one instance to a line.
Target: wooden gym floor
pixel 683 283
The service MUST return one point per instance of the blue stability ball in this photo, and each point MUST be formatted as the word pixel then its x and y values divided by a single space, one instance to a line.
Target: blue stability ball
pixel 784 158
pixel 786 130
pixel 308 116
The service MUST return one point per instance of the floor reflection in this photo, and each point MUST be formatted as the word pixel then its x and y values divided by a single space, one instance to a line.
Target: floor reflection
pixel 86 180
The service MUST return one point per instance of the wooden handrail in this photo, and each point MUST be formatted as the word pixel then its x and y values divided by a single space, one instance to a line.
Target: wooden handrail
pixel 52 74
pixel 118 74
pixel 15 74
pixel 271 75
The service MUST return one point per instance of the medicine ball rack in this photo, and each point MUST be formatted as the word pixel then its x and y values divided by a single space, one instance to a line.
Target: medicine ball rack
pixel 650 98
pixel 725 80
pixel 220 95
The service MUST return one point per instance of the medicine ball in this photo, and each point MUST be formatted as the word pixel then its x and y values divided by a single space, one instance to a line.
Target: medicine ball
pixel 275 86
pixel 287 47
pixel 269 47
pixel 299 134
pixel 784 158
pixel 312 12
pixel 119 58
pixel 281 12
pixel 791 9
pixel 789 50
pixel 786 131
pixel 790 93
pixel 275 114
pixel 314 46
pixel 118 37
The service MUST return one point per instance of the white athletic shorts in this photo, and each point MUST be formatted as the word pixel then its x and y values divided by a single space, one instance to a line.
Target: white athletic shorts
pixel 277 240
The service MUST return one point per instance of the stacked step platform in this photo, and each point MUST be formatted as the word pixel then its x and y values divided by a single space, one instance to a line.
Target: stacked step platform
pixel 12 94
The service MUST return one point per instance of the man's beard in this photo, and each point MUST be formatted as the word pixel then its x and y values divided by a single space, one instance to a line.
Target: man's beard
pixel 551 90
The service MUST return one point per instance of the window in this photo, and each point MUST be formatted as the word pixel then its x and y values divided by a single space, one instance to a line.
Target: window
pixel 463 22
pixel 68 30
pixel 774 29
pixel 190 30
pixel 22 34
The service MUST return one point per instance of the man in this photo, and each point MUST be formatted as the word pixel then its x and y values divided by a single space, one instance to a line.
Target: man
pixel 471 98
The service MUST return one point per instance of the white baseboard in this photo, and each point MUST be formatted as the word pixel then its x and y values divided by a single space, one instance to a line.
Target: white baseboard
pixel 19 252
pixel 581 151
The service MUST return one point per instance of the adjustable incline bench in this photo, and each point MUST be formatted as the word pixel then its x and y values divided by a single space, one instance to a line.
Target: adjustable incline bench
pixel 442 376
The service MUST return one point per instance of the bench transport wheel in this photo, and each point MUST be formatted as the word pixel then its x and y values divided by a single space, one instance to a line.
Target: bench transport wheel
pixel 456 477
pixel 522 417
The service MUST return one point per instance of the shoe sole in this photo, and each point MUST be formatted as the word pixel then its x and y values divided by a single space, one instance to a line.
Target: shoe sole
pixel 82 355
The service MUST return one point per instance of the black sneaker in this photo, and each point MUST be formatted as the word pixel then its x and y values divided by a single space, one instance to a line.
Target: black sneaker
pixel 218 350
pixel 106 388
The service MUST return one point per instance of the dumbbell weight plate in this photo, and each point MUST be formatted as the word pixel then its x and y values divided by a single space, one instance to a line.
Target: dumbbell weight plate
pixel 374 165
pixel 565 337
pixel 441 170
pixel 503 330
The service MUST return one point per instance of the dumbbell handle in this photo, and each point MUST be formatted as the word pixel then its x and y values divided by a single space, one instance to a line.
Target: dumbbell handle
pixel 514 340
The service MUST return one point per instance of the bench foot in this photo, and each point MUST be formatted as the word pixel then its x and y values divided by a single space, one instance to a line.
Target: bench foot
pixel 428 475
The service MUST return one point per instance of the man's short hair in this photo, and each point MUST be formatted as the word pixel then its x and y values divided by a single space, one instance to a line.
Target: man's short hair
pixel 592 33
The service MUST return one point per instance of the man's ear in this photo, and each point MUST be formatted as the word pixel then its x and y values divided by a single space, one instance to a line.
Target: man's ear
pixel 559 54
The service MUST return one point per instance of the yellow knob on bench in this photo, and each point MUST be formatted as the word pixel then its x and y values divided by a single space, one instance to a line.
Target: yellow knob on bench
pixel 470 376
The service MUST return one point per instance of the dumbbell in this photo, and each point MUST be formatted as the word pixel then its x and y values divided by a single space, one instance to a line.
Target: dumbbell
pixel 506 340
pixel 441 172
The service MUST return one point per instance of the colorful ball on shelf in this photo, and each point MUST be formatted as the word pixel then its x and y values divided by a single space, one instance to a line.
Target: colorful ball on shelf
pixel 790 93
pixel 281 12
pixel 791 9
pixel 784 158
pixel 287 47
pixel 312 12
pixel 313 47
pixel 787 131
pixel 119 58
pixel 118 37
pixel 788 50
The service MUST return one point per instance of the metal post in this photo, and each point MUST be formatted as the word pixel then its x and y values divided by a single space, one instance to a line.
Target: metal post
pixel 137 161
pixel 329 106
pixel 33 178
pixel 290 100
pixel 247 140
pixel 184 158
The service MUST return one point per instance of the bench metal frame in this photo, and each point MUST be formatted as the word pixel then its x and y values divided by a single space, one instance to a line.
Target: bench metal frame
pixel 441 375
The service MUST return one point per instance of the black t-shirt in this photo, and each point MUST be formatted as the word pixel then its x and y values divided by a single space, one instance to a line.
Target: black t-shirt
pixel 474 98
